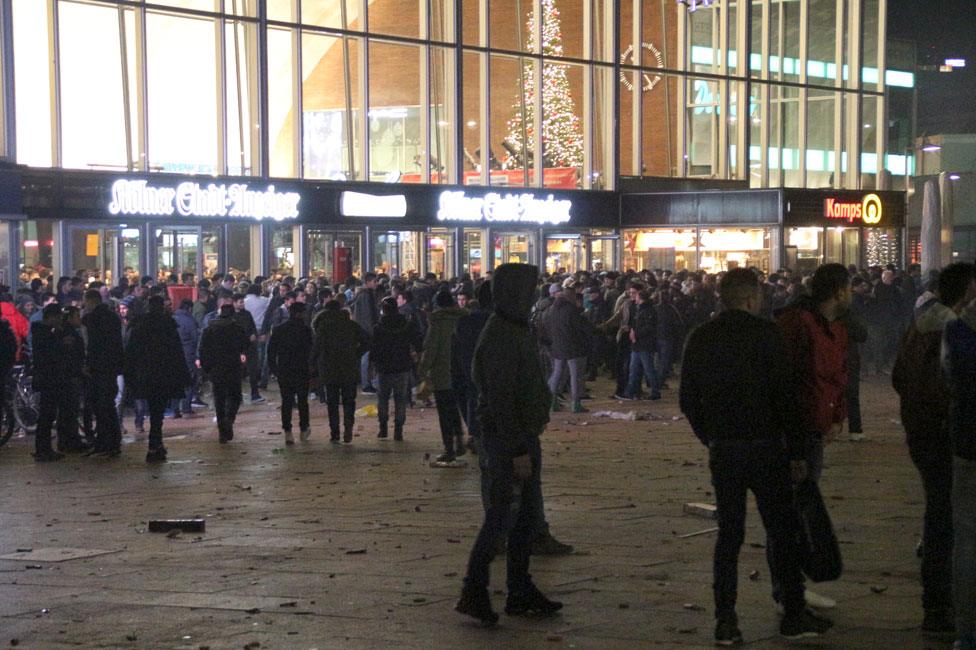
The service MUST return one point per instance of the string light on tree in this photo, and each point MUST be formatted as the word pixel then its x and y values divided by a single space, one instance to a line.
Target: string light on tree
pixel 562 135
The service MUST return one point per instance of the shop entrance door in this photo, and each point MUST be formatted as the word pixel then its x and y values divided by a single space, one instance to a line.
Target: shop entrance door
pixel 178 252
pixel 601 254
pixel 563 253
pixel 515 247
pixel 103 254
pixel 335 256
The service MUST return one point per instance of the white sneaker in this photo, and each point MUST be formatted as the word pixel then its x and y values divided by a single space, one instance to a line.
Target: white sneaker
pixel 305 434
pixel 817 601
pixel 289 438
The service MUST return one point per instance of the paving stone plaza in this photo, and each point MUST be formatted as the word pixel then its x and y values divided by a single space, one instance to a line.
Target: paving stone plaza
pixel 364 545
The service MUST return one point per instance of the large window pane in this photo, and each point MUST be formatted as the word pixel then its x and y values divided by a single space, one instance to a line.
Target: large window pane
pixel 93 133
pixel 508 113
pixel 182 125
pixel 36 239
pixel 443 116
pixel 395 150
pixel 562 125
pixel 330 108
pixel 703 114
pixel 243 134
pixel 341 14
pixel 474 159
pixel 822 65
pixel 401 18
pixel 821 144
pixel 282 118
pixel 510 25
pixel 442 20
pixel 32 80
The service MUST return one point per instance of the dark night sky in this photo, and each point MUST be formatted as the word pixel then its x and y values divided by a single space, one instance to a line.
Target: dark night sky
pixel 942 29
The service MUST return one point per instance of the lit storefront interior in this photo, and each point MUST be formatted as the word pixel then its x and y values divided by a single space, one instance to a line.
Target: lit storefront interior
pixel 693 249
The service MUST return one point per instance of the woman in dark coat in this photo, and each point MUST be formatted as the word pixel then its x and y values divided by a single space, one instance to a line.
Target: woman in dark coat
pixel 155 369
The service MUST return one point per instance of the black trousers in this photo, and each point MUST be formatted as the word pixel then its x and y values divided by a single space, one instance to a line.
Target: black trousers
pixel 102 390
pixel 254 369
pixel 853 396
pixel 449 417
pixel 290 393
pixel 59 404
pixel 935 468
pixel 346 394
pixel 157 409
pixel 622 365
pixel 227 400
pixel 511 511
pixel 762 467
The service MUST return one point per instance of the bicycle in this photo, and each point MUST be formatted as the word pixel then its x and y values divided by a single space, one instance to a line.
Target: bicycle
pixel 22 405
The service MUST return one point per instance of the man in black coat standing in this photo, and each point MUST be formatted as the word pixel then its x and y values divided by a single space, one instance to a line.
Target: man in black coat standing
pixel 105 363
pixel 52 348
pixel 466 333
pixel 246 321
pixel 396 344
pixel 223 346
pixel 339 345
pixel 155 369
pixel 288 360
pixel 737 391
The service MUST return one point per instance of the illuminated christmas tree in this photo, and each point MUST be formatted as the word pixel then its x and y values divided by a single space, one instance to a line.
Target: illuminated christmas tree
pixel 562 135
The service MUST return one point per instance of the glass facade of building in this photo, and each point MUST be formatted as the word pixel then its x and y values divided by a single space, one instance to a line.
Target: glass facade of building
pixel 446 91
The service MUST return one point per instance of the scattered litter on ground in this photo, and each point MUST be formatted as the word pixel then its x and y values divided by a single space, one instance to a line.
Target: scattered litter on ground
pixel 616 415
pixel 706 510
pixel 754 576
pixel 356 551
pixel 454 464
pixel 878 589
pixel 858 437
pixel 184 525
pixel 694 607
pixel 698 533
pixel 368 411
pixel 55 554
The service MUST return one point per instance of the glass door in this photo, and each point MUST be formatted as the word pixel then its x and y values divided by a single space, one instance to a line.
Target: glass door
pixel 440 252
pixel 103 254
pixel 335 256
pixel 178 253
pixel 563 253
pixel 396 252
pixel 601 254
pixel 843 246
pixel 513 247
pixel 473 252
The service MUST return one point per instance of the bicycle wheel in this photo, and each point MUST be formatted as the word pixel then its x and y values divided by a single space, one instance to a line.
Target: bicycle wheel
pixel 26 408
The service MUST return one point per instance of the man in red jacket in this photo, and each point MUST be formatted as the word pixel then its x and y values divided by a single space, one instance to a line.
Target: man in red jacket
pixel 9 312
pixel 817 341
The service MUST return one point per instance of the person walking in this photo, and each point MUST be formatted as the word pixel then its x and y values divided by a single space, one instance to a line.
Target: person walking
pixel 466 333
pixel 288 360
pixel 568 336
pixel 396 344
pixel 222 355
pixel 51 345
pixel 105 362
pixel 435 370
pixel 924 399
pixel 737 393
pixel 643 343
pixel 514 409
pixel 817 341
pixel 246 321
pixel 155 368
pixel 340 344
pixel 189 332
pixel 366 313
pixel 959 364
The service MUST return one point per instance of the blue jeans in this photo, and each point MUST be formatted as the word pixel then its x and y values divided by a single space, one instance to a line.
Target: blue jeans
pixel 576 367
pixel 964 546
pixel 642 361
pixel 364 371
pixel 666 350
pixel 396 384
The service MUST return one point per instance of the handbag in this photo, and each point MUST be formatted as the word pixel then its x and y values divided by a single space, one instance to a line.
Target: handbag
pixel 820 558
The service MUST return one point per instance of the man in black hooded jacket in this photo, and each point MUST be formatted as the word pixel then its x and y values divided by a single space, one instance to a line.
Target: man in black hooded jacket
pixel 396 343
pixel 513 405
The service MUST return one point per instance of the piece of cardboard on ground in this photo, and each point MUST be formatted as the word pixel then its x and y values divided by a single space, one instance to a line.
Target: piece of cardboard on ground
pixel 56 554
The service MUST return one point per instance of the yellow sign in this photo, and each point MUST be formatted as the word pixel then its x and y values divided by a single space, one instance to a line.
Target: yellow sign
pixel 91 245
pixel 871 209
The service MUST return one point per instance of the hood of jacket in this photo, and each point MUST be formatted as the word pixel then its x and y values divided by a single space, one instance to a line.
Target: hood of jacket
pixel 935 318
pixel 513 291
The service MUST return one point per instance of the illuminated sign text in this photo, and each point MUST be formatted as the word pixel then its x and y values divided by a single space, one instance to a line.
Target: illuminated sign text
pixel 510 208
pixel 189 199
pixel 868 210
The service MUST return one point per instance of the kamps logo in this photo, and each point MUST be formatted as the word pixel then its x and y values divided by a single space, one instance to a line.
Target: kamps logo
pixel 869 210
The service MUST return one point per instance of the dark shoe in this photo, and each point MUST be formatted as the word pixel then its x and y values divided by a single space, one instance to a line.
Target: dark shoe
pixel 177 415
pixel 197 404
pixel 549 545
pixel 398 433
pixel 305 434
pixel 477 604
pixel 459 448
pixel 74 447
pixel 531 602
pixel 805 625
pixel 369 389
pixel 445 458
pixel 334 437
pixel 384 432
pixel 48 456
pixel 258 399
pixel 655 397
pixel 471 445
pixel 347 435
pixel 579 408
pixel 939 623
pixel 727 632
pixel 112 453
pixel 289 438
pixel 157 455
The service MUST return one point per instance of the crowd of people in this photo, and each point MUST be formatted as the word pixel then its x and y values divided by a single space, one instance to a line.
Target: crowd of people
pixel 770 367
